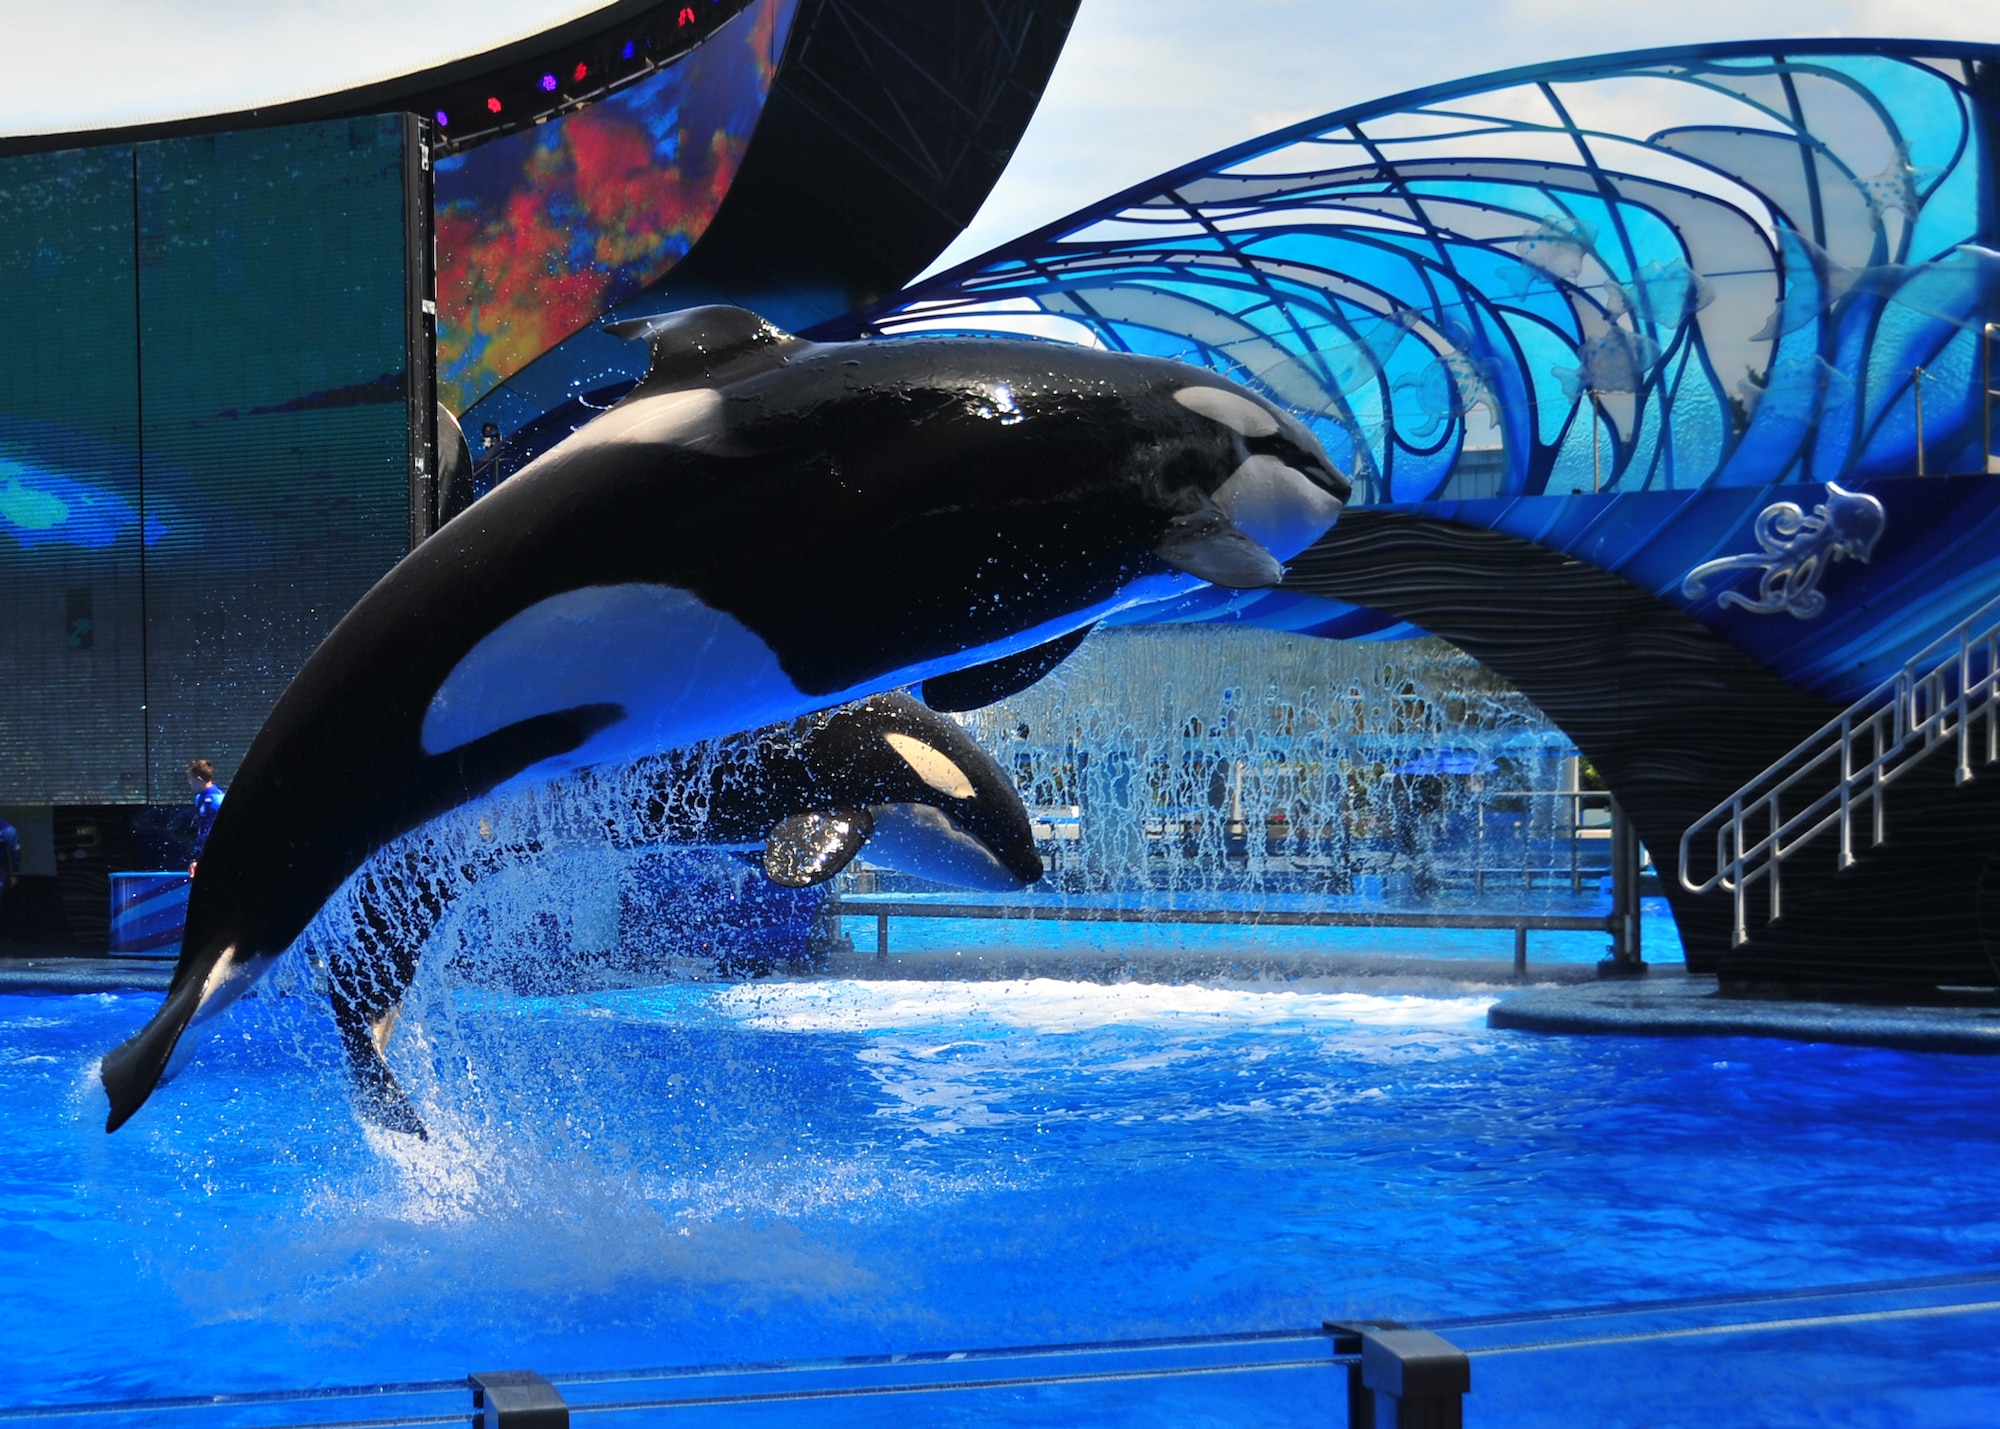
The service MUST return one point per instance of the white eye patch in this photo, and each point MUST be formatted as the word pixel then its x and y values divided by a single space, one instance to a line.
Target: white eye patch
pixel 1238 413
pixel 932 767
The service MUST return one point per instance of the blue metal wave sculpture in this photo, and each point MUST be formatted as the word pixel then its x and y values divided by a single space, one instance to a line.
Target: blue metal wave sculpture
pixel 1632 308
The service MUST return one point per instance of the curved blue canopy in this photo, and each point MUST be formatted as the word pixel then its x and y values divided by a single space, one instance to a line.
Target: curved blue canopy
pixel 1659 271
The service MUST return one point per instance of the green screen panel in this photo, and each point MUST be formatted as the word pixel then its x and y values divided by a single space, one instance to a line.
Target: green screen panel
pixel 72 723
pixel 274 367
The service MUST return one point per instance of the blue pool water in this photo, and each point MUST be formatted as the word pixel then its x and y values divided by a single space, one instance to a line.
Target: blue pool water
pixel 726 1172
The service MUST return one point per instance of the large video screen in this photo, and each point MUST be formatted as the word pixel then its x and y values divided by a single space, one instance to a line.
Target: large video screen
pixel 205 437
pixel 72 627
pixel 540 232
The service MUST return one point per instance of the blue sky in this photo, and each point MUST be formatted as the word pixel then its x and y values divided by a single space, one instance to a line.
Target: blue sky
pixel 1143 85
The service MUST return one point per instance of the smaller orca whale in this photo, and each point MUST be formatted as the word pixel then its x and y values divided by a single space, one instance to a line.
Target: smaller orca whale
pixel 763 527
pixel 801 800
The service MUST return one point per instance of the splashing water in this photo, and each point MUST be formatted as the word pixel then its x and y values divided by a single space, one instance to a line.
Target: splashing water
pixel 1190 760
pixel 693 1172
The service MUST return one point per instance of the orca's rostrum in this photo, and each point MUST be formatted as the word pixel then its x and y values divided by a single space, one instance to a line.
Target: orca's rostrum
pixel 762 528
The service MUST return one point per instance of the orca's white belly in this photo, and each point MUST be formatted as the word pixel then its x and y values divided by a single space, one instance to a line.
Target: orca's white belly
pixel 681 672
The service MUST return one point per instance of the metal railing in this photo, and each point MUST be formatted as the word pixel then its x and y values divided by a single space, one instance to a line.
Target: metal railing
pixel 1986 396
pixel 1661 1352
pixel 1569 833
pixel 1142 905
pixel 882 908
pixel 525 1399
pixel 1536 838
pixel 1841 773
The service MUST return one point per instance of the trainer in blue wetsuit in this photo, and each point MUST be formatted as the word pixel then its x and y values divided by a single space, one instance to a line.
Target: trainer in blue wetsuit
pixel 10 859
pixel 207 801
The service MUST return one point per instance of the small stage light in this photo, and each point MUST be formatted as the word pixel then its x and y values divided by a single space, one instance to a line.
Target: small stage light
pixel 443 118
pixel 548 81
pixel 581 71
pixel 626 53
pixel 687 15
pixel 493 105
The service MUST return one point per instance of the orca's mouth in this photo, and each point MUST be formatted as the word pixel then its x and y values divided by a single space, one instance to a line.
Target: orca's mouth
pixel 1283 493
pixel 1308 461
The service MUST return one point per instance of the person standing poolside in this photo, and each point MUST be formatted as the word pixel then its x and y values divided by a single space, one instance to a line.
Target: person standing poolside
pixel 207 801
pixel 10 859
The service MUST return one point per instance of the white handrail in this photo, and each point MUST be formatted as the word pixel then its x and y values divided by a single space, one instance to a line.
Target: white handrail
pixel 1843 769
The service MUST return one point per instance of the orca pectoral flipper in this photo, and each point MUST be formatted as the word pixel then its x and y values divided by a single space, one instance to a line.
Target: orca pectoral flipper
pixel 811 848
pixel 1204 544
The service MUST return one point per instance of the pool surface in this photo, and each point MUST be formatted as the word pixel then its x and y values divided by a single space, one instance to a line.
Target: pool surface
pixel 724 1172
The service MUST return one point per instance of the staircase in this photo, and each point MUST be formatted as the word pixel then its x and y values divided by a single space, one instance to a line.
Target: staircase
pixel 1838 778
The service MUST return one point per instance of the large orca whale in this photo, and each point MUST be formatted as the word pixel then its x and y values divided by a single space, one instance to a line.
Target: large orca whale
pixel 799 800
pixel 763 527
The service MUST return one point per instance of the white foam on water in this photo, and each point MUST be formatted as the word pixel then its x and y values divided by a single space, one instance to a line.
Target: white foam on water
pixel 971 1058
pixel 1049 1005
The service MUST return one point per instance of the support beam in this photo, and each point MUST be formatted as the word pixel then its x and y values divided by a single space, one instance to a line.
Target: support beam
pixel 516 1399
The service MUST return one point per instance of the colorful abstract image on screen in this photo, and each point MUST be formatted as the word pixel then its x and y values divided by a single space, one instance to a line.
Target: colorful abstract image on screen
pixel 538 233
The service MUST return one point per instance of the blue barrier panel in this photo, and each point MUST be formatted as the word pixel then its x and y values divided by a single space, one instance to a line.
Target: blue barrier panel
pixel 148 911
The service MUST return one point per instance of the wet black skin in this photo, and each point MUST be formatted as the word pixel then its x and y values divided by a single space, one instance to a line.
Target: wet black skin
pixel 728 794
pixel 867 508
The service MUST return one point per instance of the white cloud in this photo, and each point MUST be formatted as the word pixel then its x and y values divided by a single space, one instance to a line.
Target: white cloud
pixel 86 64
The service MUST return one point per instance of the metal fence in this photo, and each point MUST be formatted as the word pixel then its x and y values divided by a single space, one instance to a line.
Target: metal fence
pixel 1903 1351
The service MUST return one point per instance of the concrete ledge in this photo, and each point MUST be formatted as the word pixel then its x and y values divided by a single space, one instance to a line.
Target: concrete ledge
pixel 1670 1003
pixel 59 975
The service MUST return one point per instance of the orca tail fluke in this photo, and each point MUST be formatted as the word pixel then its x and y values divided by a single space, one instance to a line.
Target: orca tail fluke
pixel 378 1096
pixel 132 1069
pixel 382 1100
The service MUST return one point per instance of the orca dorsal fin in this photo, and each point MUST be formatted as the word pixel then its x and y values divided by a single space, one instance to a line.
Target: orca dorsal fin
pixel 690 345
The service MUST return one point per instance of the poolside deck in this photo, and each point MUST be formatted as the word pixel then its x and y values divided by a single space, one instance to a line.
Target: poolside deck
pixel 56 968
pixel 1670 1003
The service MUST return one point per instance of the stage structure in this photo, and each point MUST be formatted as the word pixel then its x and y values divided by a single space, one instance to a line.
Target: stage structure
pixel 542 230
pixel 477 98
pixel 1659 377
pixel 182 517
pixel 874 128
